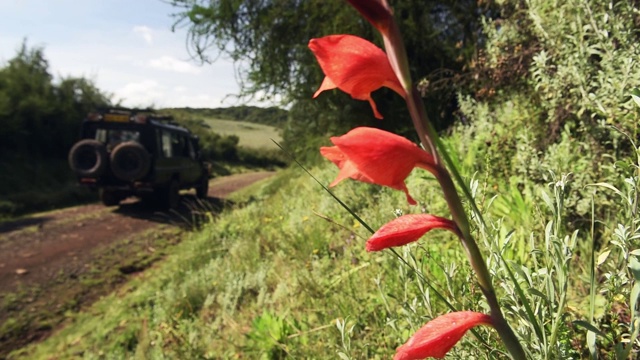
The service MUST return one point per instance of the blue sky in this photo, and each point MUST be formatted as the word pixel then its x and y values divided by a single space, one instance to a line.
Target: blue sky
pixel 126 47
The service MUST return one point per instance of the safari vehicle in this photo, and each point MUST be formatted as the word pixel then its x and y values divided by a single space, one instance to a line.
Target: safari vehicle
pixel 129 152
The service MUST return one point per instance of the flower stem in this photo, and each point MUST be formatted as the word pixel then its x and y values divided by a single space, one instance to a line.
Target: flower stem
pixel 397 55
pixel 429 137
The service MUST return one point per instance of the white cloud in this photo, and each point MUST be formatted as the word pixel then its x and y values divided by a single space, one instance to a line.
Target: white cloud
pixel 142 94
pixel 141 64
pixel 151 93
pixel 172 64
pixel 144 32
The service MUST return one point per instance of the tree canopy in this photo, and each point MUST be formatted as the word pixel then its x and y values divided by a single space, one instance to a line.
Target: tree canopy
pixel 40 116
pixel 269 38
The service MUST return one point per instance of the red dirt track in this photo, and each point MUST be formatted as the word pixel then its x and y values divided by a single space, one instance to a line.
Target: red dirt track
pixel 62 240
pixel 39 252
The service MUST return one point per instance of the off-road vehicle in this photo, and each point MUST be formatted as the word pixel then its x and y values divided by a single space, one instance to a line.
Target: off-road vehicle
pixel 130 152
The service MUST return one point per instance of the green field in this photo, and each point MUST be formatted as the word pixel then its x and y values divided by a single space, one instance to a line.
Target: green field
pixel 251 135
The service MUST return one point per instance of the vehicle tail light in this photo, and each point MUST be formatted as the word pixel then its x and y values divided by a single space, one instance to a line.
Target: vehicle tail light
pixel 87 180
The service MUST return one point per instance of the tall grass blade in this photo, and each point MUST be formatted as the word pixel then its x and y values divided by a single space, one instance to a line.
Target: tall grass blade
pixel 591 335
pixel 524 301
pixel 345 206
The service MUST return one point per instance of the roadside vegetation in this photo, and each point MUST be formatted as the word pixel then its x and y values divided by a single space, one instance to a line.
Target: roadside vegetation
pixel 40 121
pixel 29 313
pixel 41 117
pixel 285 274
pixel 541 112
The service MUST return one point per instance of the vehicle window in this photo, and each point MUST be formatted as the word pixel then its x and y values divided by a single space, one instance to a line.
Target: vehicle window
pixel 113 137
pixel 192 151
pixel 158 139
pixel 101 135
pixel 179 145
pixel 167 144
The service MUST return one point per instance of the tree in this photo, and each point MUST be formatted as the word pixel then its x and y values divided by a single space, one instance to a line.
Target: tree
pixel 269 38
pixel 39 119
pixel 75 97
pixel 25 87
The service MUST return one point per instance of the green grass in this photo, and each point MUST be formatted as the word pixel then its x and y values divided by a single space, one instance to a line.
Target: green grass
pixel 281 261
pixel 37 310
pixel 28 185
pixel 285 274
pixel 256 136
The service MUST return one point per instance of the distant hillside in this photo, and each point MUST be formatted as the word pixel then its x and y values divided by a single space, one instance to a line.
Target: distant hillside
pixel 271 116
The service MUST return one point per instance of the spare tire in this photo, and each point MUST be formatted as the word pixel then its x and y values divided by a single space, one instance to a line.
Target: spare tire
pixel 130 161
pixel 88 158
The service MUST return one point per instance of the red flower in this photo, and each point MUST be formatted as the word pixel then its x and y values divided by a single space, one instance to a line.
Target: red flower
pixel 407 229
pixel 377 12
pixel 380 15
pixel 378 157
pixel 355 66
pixel 439 335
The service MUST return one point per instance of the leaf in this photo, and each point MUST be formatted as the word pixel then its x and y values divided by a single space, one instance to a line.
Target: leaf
pixel 634 266
pixel 603 257
pixel 523 298
pixel 587 325
pixel 635 292
pixel 636 99
pixel 591 344
pixel 537 292
pixel 548 201
pixel 608 186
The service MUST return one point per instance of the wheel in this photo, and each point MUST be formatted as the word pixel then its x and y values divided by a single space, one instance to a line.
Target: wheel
pixel 88 158
pixel 202 190
pixel 109 198
pixel 130 161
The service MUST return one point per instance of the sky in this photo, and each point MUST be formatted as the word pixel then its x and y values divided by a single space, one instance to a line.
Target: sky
pixel 126 47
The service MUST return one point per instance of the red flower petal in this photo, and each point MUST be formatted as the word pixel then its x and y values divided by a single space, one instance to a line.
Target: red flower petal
pixel 327 84
pixel 384 157
pixel 439 335
pixel 347 168
pixel 355 66
pixel 377 156
pixel 407 229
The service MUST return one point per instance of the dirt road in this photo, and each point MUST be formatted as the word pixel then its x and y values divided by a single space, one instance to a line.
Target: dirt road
pixel 63 260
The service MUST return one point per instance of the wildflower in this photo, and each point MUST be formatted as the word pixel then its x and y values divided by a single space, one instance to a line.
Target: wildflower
pixel 380 15
pixel 355 66
pixel 407 229
pixel 439 335
pixel 377 12
pixel 378 157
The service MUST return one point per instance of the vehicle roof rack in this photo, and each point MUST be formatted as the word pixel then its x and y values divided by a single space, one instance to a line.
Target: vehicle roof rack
pixel 149 113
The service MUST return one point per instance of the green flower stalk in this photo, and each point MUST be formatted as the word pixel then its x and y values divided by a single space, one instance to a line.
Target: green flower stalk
pixel 361 71
pixel 396 51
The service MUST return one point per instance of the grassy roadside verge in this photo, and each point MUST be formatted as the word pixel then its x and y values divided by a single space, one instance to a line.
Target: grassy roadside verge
pixel 285 274
pixel 31 313
pixel 271 277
